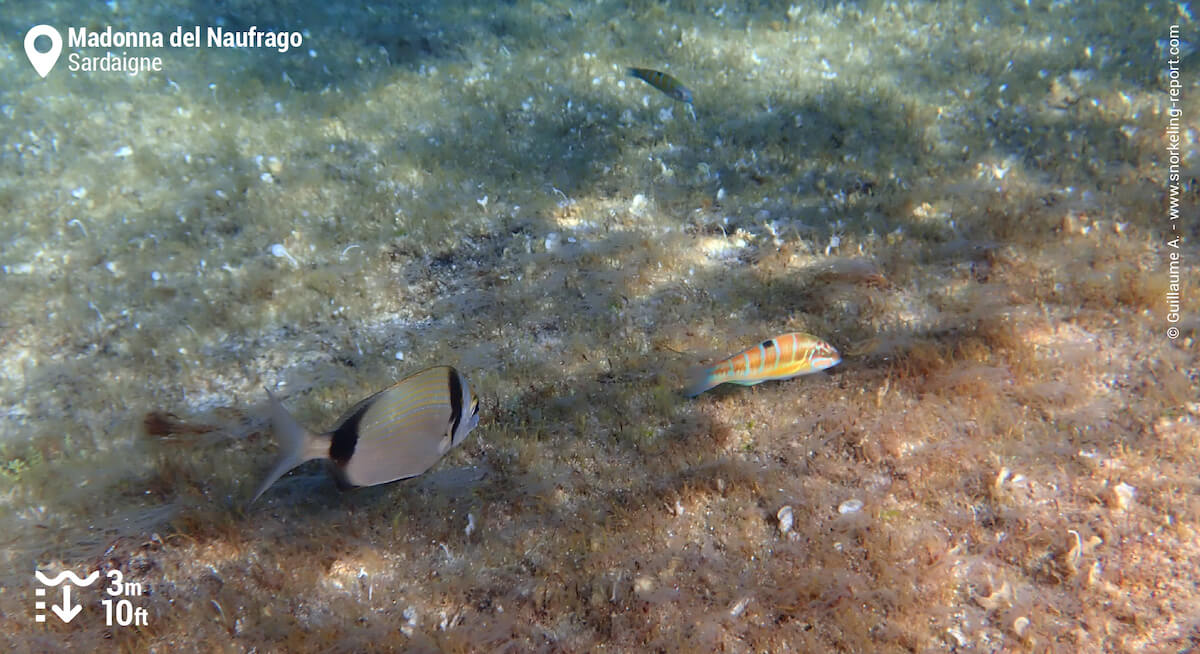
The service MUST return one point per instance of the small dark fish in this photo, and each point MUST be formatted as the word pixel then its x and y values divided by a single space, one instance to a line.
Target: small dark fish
pixel 663 82
pixel 397 433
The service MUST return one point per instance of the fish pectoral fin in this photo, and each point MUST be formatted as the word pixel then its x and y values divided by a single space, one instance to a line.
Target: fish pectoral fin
pixel 445 444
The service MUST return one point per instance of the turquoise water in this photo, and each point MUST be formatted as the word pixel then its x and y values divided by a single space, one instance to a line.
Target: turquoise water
pixel 968 200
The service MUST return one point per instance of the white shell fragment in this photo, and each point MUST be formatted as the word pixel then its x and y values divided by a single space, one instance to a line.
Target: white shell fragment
pixel 850 506
pixel 410 621
pixel 1122 496
pixel 739 607
pixel 279 251
pixel 785 519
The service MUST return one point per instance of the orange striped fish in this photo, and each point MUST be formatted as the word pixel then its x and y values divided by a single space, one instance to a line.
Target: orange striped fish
pixel 782 357
pixel 397 433
pixel 663 82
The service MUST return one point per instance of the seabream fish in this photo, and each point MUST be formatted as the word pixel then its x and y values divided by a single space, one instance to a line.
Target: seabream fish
pixel 782 357
pixel 663 82
pixel 397 433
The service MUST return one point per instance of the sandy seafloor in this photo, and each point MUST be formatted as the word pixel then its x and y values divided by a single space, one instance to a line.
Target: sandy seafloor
pixel 969 199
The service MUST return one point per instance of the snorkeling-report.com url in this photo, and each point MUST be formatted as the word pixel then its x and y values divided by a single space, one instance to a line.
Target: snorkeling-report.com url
pixel 1174 138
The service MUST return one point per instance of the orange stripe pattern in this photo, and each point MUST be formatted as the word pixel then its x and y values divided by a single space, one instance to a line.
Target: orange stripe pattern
pixel 782 357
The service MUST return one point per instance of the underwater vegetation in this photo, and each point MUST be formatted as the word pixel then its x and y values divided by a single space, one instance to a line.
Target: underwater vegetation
pixel 968 200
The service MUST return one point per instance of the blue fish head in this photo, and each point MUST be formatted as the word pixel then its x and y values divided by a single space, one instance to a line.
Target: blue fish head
pixel 825 356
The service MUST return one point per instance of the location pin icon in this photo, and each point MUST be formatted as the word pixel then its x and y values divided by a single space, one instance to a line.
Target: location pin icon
pixel 43 62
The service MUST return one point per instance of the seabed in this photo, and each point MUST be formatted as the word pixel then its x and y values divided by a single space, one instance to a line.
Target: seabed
pixel 969 200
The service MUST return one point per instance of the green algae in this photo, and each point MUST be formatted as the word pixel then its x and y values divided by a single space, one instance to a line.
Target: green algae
pixel 483 187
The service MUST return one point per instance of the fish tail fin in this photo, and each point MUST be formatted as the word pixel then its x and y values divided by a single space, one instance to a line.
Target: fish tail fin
pixel 699 381
pixel 636 72
pixel 295 445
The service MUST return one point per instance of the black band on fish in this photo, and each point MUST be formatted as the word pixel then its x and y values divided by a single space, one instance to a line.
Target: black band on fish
pixel 456 407
pixel 345 437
